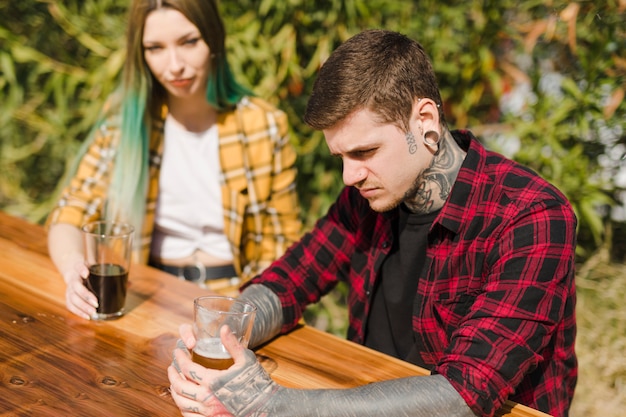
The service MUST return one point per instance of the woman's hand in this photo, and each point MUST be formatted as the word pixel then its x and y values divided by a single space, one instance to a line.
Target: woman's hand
pixel 65 246
pixel 78 299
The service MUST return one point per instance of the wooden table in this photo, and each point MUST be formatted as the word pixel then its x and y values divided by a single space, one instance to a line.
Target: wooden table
pixel 53 363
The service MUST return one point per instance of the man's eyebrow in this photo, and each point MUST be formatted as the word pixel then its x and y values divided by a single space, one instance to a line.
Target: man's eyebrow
pixel 358 148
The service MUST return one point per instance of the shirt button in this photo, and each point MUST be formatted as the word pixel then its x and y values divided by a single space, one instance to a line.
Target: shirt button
pixel 385 245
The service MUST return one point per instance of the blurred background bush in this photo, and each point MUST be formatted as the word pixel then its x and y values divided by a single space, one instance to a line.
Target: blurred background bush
pixel 543 82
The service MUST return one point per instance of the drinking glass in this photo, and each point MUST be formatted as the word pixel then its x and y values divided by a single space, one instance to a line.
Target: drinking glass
pixel 108 247
pixel 211 313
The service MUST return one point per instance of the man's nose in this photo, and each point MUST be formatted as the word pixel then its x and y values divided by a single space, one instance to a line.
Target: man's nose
pixel 353 173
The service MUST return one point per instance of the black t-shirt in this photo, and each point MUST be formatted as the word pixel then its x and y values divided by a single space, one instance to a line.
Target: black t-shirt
pixel 389 324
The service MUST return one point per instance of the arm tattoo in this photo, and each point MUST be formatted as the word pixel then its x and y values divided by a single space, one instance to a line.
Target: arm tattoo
pixel 269 314
pixel 251 393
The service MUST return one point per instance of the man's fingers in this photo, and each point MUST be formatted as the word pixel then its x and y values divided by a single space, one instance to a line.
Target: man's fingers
pixel 186 334
pixel 180 347
pixel 232 345
pixel 190 370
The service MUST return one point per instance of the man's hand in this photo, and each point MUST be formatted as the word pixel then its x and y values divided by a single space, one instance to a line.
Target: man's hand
pixel 240 390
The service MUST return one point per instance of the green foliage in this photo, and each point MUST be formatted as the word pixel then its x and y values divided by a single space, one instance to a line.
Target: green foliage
pixel 59 60
pixel 482 50
pixel 574 131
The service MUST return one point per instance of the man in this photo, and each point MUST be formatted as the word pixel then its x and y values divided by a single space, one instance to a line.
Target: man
pixel 456 258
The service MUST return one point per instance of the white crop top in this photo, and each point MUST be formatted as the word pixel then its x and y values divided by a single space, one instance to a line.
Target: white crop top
pixel 189 211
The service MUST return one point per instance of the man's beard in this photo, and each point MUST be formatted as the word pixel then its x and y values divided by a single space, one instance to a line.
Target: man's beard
pixel 415 198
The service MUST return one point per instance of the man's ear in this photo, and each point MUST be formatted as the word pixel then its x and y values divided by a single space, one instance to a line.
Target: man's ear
pixel 426 114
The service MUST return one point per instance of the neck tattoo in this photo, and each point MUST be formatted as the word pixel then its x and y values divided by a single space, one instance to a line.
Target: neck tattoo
pixel 433 185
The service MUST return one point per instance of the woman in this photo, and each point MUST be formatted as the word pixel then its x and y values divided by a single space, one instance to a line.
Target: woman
pixel 203 171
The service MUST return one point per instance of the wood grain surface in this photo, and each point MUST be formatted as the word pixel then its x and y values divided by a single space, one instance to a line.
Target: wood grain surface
pixel 53 363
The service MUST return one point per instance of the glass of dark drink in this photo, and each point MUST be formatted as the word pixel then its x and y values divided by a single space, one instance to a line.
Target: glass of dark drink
pixel 108 247
pixel 210 314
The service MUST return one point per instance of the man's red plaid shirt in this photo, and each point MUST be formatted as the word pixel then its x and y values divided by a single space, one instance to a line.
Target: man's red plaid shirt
pixel 495 302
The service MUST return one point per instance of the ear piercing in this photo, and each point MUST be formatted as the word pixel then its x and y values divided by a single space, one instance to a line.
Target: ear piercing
pixel 431 139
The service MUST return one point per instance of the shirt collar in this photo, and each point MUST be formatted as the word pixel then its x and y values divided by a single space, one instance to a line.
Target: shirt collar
pixel 462 190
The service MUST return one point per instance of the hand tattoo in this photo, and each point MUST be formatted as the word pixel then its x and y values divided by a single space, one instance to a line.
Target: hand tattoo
pixel 195 376
pixel 245 391
pixel 188 395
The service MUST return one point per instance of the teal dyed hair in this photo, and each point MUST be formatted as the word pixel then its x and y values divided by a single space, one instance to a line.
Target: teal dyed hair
pixel 127 195
pixel 142 99
pixel 222 89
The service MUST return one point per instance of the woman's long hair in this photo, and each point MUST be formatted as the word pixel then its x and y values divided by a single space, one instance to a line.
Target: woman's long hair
pixel 142 99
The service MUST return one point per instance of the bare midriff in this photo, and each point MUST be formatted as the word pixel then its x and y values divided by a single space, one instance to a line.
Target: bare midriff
pixel 193 259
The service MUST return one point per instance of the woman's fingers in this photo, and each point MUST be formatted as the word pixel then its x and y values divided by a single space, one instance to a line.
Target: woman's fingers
pixel 79 299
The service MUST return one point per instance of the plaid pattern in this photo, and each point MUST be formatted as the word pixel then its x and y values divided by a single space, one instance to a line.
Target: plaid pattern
pixel 495 302
pixel 261 212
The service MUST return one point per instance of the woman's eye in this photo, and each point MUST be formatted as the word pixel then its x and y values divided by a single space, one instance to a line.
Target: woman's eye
pixel 151 48
pixel 192 41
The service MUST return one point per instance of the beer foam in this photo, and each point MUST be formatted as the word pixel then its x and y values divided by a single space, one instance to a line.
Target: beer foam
pixel 211 348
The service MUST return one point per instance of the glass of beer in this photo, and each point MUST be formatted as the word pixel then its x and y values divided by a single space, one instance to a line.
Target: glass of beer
pixel 210 314
pixel 108 247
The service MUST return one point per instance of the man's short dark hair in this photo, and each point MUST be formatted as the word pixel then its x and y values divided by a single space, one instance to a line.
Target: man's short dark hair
pixel 378 70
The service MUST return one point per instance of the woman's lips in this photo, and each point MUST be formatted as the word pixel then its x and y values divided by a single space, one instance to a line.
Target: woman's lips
pixel 181 83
